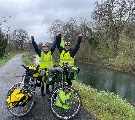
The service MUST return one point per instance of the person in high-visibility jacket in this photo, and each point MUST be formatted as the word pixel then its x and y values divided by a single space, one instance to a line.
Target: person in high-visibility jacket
pixel 45 59
pixel 67 54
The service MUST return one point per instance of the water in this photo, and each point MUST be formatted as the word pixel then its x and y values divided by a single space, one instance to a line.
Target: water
pixel 103 79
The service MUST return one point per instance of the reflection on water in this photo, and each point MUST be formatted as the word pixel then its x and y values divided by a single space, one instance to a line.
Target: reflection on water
pixel 108 80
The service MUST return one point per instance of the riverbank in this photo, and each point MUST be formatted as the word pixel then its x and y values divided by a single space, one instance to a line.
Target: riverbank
pixel 123 61
pixel 106 66
pixel 104 105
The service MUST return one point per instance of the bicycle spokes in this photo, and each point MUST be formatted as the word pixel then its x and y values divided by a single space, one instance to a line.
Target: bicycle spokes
pixel 65 103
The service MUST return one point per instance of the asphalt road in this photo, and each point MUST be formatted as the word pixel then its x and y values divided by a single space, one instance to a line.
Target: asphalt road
pixel 10 74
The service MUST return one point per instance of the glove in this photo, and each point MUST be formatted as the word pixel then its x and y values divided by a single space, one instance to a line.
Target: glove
pixel 32 37
pixel 58 35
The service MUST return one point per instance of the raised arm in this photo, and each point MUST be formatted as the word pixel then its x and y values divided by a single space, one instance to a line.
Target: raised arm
pixel 38 51
pixel 58 41
pixel 52 49
pixel 77 46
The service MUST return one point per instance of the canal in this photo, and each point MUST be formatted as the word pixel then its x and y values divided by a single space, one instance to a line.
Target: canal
pixel 103 79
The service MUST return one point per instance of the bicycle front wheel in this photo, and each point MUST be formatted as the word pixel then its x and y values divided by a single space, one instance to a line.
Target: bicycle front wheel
pixel 68 106
pixel 20 110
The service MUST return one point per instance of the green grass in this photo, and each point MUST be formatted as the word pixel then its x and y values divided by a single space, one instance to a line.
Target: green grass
pixel 27 58
pixel 5 60
pixel 104 105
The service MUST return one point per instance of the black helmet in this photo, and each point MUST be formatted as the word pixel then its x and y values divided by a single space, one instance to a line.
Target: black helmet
pixel 67 43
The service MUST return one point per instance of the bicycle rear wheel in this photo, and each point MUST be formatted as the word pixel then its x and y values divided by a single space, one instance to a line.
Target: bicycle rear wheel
pixel 20 110
pixel 65 112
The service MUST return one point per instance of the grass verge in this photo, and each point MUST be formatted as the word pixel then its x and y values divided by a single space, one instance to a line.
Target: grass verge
pixel 104 105
pixel 5 60
pixel 27 58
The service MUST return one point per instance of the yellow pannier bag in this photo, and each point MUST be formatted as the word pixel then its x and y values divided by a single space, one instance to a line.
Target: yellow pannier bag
pixel 34 68
pixel 63 100
pixel 36 74
pixel 15 98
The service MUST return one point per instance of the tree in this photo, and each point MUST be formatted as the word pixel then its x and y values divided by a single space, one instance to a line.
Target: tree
pixel 3 44
pixel 111 16
pixel 20 38
pixel 56 27
pixel 69 29
pixel 3 36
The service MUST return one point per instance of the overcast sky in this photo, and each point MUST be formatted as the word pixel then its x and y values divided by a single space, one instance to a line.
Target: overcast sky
pixel 36 16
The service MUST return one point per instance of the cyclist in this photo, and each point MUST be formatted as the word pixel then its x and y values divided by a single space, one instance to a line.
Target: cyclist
pixel 45 59
pixel 67 54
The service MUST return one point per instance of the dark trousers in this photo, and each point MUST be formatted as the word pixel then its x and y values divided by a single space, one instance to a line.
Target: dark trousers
pixel 69 82
pixel 47 88
pixel 42 88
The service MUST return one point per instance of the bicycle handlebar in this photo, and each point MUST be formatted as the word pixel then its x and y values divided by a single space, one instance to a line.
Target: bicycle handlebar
pixel 25 67
pixel 28 68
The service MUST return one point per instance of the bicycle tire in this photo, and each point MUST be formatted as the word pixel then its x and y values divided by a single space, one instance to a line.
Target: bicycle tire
pixel 62 115
pixel 28 107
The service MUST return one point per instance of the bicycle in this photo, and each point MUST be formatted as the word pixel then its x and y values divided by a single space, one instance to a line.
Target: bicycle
pixel 20 97
pixel 65 102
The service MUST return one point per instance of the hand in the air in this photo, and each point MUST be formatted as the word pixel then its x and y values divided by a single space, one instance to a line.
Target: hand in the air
pixel 59 34
pixel 80 34
pixel 32 37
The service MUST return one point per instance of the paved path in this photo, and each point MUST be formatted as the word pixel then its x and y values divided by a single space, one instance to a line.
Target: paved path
pixel 10 74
